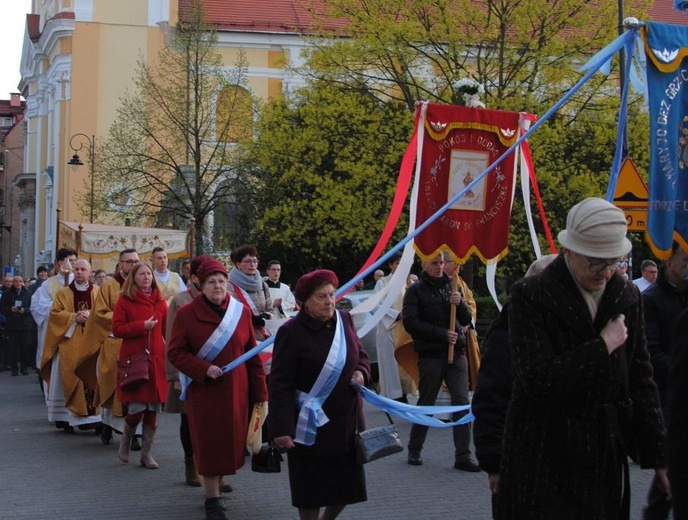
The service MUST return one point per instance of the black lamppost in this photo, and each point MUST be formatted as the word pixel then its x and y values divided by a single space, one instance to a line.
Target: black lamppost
pixel 76 160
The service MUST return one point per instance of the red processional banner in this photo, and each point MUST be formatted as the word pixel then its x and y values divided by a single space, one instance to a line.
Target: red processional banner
pixel 457 144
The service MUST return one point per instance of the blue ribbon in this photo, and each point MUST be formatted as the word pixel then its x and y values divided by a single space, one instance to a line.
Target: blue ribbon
pixel 416 414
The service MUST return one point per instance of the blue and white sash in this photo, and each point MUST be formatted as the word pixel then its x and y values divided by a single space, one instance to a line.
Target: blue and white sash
pixel 217 340
pixel 311 416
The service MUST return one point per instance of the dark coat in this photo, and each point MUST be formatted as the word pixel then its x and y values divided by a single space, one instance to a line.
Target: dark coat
pixel 16 320
pixel 218 409
pixel 492 395
pixel 677 418
pixel 301 347
pixel 128 323
pixel 663 303
pixel 426 314
pixel 559 458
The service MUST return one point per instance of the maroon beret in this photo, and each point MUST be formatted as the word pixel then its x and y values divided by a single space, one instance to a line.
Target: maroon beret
pixel 209 267
pixel 308 283
pixel 196 262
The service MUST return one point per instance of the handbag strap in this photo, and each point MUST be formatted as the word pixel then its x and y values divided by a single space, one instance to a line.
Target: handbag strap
pixel 389 417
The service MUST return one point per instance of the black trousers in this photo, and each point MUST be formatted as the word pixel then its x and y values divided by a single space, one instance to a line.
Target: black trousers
pixel 432 372
pixel 19 349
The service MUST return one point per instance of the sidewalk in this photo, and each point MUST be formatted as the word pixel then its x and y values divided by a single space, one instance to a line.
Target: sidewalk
pixel 50 474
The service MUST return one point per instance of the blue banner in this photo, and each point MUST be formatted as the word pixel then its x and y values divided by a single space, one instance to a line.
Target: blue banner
pixel 666 47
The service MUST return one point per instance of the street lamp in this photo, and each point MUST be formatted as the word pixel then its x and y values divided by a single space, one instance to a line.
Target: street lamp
pixel 82 139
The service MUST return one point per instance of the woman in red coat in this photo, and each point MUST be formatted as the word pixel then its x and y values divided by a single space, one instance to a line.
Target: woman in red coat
pixel 207 334
pixel 140 317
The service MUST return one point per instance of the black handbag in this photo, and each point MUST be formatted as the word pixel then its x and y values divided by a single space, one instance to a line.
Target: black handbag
pixel 267 460
pixel 375 443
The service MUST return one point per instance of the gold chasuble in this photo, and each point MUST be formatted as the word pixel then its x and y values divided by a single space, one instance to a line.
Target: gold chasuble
pixel 104 347
pixel 65 336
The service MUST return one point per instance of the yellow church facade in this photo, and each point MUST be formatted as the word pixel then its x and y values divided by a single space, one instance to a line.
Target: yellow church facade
pixel 79 58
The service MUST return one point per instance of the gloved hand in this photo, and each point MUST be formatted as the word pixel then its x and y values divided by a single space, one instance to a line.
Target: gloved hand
pixel 258 321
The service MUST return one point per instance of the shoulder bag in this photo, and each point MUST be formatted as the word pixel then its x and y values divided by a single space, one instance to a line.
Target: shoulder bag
pixel 378 442
pixel 133 371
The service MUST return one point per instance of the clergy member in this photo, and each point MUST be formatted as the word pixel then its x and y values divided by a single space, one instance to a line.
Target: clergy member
pixel 171 282
pixel 70 402
pixel 105 348
pixel 42 299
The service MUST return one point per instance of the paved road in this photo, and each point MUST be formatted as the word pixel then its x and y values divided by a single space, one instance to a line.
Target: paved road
pixel 50 474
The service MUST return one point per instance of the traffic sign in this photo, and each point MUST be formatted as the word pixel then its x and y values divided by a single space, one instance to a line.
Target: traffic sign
pixel 631 190
pixel 637 219
pixel 631 196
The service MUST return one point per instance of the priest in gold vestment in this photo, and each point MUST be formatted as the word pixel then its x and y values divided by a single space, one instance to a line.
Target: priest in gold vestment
pixel 70 402
pixel 100 367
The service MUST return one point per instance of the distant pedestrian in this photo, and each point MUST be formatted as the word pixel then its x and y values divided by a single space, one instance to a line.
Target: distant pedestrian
pixel 15 304
pixel 101 276
pixel 648 271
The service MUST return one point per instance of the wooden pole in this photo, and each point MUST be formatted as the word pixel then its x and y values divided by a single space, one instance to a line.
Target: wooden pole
pixel 192 236
pixel 452 314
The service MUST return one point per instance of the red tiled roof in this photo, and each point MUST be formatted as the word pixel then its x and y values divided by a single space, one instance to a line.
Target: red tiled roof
pixel 291 16
pixel 663 11
pixel 298 16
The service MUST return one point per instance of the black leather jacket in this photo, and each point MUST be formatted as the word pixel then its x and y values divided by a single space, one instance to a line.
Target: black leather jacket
pixel 426 316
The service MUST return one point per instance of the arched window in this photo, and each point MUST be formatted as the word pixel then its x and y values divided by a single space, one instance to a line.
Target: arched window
pixel 233 221
pixel 234 118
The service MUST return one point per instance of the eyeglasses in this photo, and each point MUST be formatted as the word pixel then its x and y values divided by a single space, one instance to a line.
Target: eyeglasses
pixel 251 261
pixel 129 261
pixel 622 263
pixel 598 265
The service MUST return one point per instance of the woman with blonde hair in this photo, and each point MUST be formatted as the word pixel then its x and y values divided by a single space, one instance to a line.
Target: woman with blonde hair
pixel 139 318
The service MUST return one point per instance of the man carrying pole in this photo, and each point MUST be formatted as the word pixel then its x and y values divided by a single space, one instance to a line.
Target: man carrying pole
pixel 426 314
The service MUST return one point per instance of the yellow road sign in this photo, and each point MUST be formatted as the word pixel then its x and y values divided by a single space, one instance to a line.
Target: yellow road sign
pixel 631 191
pixel 637 219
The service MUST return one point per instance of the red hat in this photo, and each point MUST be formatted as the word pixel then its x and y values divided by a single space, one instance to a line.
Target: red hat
pixel 209 267
pixel 196 262
pixel 308 283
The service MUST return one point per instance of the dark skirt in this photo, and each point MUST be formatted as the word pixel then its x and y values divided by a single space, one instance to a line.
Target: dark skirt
pixel 325 480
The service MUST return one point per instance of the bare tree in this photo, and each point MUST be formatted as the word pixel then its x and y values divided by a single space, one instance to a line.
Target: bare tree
pixel 169 154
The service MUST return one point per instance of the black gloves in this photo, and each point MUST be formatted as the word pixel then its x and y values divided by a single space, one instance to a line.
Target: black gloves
pixel 259 321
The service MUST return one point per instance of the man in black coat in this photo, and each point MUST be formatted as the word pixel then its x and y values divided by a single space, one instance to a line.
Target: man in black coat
pixel 15 305
pixel 676 412
pixel 664 301
pixel 426 313
pixel 493 392
pixel 577 341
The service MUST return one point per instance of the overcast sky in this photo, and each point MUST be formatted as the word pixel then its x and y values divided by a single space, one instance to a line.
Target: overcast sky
pixel 12 23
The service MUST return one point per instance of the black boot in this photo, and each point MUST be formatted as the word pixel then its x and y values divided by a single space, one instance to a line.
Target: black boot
pixel 214 509
pixel 106 435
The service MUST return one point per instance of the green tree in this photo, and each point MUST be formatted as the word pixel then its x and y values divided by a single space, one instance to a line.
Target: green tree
pixel 520 51
pixel 525 54
pixel 169 154
pixel 325 164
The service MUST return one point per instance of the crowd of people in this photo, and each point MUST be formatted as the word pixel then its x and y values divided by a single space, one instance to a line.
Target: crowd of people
pixel 580 370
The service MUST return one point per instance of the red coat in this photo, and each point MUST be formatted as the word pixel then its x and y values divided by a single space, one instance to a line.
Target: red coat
pixel 127 323
pixel 218 409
